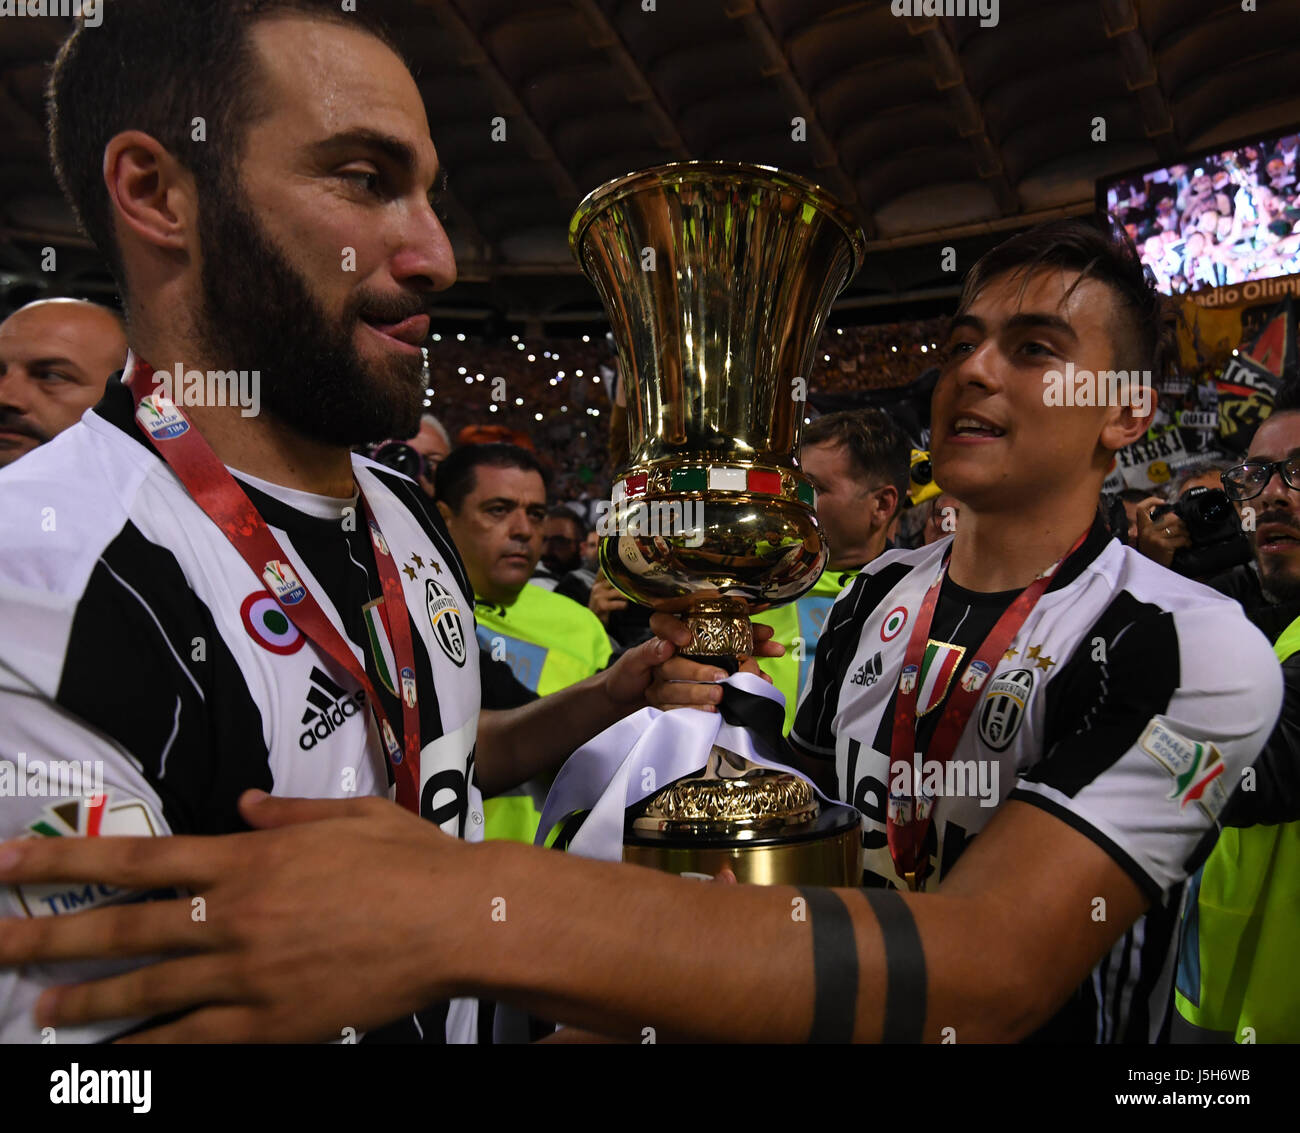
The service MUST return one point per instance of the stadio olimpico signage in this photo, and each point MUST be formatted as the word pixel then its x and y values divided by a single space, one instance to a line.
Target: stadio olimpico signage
pixel 1252 291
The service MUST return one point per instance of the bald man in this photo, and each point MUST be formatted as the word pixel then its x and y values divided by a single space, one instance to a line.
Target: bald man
pixel 56 356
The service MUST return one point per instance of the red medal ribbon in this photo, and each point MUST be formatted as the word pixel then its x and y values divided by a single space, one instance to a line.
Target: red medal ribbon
pixel 223 501
pixel 910 811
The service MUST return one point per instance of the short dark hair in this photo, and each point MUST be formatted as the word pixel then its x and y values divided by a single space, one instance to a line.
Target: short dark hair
pixel 155 66
pixel 1109 257
pixel 457 475
pixel 877 446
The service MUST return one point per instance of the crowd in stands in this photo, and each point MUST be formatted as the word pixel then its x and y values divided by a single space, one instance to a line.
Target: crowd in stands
pixel 557 391
pixel 1233 216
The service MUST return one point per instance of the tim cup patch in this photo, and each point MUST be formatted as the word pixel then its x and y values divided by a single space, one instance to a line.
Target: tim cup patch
pixel 1197 768
pixel 105 815
pixel 284 584
pixel 268 625
pixel 160 418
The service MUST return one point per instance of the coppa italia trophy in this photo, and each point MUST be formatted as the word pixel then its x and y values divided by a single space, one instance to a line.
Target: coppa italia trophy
pixel 717 278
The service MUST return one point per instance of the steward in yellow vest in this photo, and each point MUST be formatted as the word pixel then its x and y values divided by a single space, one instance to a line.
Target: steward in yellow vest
pixel 1238 976
pixel 493 500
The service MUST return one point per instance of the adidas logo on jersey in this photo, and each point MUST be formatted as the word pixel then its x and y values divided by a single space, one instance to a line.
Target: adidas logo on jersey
pixel 328 706
pixel 868 672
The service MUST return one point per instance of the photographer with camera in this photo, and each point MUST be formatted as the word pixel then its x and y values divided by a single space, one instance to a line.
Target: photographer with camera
pixel 1198 535
pixel 1240 932
pixel 419 456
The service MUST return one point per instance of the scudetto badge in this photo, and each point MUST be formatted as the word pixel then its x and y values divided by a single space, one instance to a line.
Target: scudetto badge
pixel 444 617
pixel 1004 707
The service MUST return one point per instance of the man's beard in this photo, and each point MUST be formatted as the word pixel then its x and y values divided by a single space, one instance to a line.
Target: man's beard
pixel 1277 583
pixel 259 314
pixel 557 564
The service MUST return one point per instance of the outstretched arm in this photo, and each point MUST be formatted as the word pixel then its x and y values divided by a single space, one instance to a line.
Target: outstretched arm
pixel 611 948
pixel 516 744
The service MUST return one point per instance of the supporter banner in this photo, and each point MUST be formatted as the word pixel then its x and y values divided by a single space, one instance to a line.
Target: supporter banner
pixel 1253 291
pixel 1251 380
pixel 1237 389
pixel 1153 461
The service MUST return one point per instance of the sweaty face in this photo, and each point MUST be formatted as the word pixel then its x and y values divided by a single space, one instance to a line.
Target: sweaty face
pixel 498 530
pixel 55 360
pixel 1276 510
pixel 319 256
pixel 996 440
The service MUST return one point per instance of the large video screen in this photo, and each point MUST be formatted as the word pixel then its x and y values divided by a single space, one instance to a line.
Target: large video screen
pixel 1224 218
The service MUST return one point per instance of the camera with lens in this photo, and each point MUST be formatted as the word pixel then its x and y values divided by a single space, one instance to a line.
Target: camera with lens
pixel 400 457
pixel 1218 543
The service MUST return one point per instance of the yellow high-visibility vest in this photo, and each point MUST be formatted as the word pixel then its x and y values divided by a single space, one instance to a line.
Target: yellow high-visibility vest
pixel 1238 976
pixel 550 642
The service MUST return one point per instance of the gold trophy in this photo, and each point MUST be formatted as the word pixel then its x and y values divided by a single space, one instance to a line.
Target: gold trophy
pixel 717 278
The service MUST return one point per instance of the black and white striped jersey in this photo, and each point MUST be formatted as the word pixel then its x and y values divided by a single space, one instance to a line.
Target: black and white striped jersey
pixel 1128 705
pixel 135 638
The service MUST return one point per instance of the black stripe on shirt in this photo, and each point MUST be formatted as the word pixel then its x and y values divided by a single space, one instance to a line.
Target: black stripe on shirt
pixel 835 649
pixel 1159 927
pixel 130 672
pixel 1136 681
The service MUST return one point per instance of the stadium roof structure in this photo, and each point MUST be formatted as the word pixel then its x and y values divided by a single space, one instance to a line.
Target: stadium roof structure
pixel 934 131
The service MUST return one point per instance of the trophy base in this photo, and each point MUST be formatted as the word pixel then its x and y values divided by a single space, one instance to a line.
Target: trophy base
pixel 826 853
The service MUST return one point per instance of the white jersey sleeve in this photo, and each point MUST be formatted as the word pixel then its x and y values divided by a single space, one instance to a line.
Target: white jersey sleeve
pixel 59 778
pixel 1146 774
